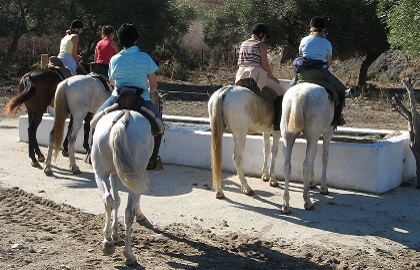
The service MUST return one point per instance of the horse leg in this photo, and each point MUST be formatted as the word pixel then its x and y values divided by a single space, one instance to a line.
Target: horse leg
pixel 32 128
pixel 86 128
pixel 237 160
pixel 308 171
pixel 72 136
pixel 65 151
pixel 130 213
pixel 289 141
pixel 325 155
pixel 266 150
pixel 48 169
pixel 38 119
pixel 109 204
pixel 274 152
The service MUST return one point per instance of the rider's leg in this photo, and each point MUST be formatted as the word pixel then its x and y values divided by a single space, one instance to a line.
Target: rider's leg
pixel 158 139
pixel 341 91
pixel 111 100
pixel 276 87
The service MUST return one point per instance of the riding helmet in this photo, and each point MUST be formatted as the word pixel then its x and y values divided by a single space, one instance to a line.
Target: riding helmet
pixel 260 28
pixel 76 24
pixel 127 35
pixel 317 22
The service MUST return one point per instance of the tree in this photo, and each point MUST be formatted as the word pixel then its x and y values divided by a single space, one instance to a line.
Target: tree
pixel 360 33
pixel 403 20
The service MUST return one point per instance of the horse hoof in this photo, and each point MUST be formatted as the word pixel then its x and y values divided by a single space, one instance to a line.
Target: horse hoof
pixel 65 153
pixel 76 171
pixel 108 249
pixel 265 178
pixel 41 158
pixel 324 192
pixel 286 210
pixel 220 195
pixel 131 261
pixel 248 192
pixel 310 208
pixel 48 172
pixel 274 184
pixel 140 217
pixel 35 164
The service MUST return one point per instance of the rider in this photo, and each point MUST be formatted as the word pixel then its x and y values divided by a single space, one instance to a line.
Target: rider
pixel 254 68
pixel 133 68
pixel 69 47
pixel 316 46
pixel 105 48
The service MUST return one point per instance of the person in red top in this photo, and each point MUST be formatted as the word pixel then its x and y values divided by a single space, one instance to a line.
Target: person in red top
pixel 105 49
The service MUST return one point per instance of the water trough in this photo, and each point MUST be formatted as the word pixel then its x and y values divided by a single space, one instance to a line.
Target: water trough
pixel 368 160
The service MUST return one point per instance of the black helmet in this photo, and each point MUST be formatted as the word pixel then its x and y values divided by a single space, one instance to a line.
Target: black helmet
pixel 318 23
pixel 76 24
pixel 260 28
pixel 127 35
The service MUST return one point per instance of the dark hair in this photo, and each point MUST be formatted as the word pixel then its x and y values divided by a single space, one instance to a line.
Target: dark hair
pixel 107 30
pixel 318 23
pixel 259 29
pixel 127 35
pixel 76 24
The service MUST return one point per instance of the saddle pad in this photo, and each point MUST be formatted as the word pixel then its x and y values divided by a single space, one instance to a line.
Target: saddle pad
pixel 316 76
pixel 266 94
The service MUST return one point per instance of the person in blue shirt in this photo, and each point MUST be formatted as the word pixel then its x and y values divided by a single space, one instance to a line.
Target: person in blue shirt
pixel 316 46
pixel 133 68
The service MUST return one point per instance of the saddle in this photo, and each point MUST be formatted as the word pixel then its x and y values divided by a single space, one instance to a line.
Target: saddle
pixel 129 99
pixel 55 63
pixel 266 94
pixel 103 79
pixel 317 77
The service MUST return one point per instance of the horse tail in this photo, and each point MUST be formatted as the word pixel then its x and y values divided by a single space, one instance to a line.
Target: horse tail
pixel 296 119
pixel 131 175
pixel 217 127
pixel 26 91
pixel 61 112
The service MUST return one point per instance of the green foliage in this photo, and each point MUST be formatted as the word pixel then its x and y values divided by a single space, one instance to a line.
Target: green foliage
pixel 403 20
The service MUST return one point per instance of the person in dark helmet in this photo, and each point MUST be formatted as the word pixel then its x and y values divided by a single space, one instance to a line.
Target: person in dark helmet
pixel 254 68
pixel 316 46
pixel 133 68
pixel 69 48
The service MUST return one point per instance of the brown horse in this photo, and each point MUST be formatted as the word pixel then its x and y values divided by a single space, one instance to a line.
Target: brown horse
pixel 36 91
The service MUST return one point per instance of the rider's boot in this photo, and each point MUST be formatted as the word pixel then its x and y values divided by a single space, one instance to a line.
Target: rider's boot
pixel 338 117
pixel 277 112
pixel 154 161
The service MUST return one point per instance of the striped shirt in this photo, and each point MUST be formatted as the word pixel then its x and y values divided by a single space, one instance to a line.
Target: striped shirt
pixel 249 52
pixel 130 67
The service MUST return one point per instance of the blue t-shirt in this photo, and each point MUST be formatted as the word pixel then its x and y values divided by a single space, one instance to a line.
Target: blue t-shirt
pixel 130 67
pixel 315 47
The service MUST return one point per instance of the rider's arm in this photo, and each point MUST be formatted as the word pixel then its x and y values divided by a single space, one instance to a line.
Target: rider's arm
pixel 264 61
pixel 329 60
pixel 153 82
pixel 75 40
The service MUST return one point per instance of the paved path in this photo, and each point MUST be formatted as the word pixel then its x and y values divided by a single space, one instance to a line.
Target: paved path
pixel 183 195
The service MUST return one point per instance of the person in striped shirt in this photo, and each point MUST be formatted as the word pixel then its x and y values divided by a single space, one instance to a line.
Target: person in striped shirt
pixel 254 68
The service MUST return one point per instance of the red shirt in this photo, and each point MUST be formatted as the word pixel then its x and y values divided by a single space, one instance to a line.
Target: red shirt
pixel 104 51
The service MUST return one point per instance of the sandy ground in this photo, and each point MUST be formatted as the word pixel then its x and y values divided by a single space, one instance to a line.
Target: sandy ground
pixel 58 222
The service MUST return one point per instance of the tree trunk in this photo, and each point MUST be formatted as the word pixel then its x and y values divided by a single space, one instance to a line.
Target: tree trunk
pixel 10 53
pixel 370 58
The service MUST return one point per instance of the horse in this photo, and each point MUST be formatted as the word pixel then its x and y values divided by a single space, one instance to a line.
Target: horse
pixel 36 91
pixel 77 95
pixel 121 151
pixel 241 111
pixel 307 109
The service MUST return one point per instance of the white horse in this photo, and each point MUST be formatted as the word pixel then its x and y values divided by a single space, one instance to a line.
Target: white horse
pixel 241 111
pixel 307 109
pixel 121 151
pixel 77 95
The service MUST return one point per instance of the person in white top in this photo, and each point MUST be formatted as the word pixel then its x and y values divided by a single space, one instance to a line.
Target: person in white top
pixel 69 48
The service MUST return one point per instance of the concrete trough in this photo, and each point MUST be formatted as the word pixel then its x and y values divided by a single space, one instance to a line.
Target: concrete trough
pixel 374 166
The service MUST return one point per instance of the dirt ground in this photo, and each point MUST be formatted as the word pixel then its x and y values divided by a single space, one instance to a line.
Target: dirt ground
pixel 39 234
